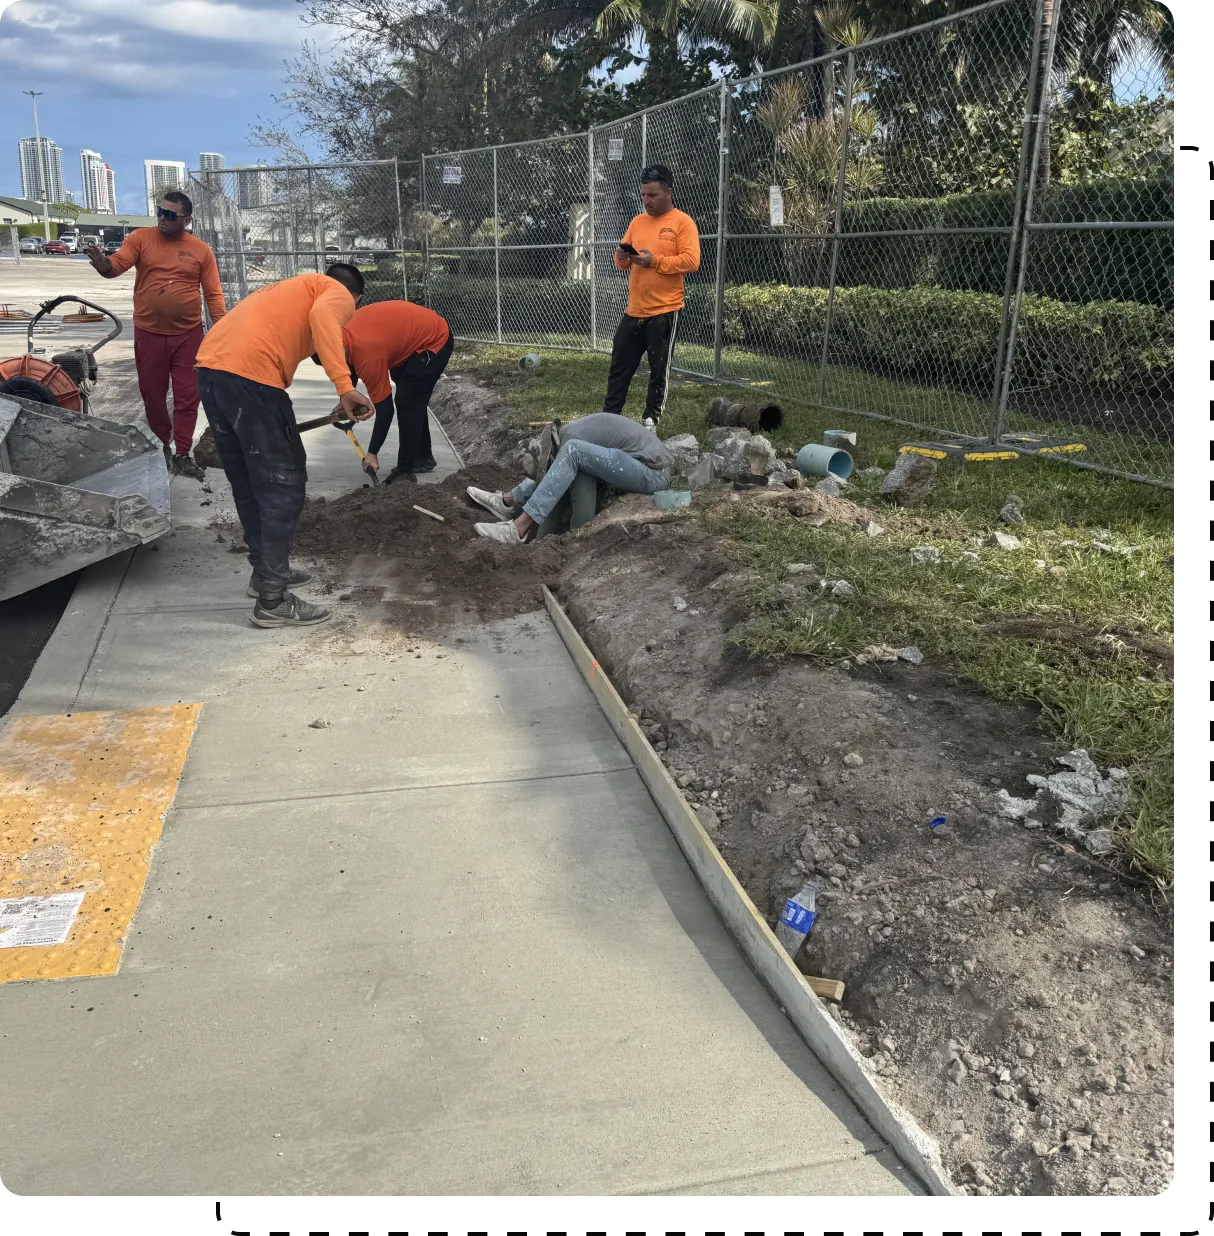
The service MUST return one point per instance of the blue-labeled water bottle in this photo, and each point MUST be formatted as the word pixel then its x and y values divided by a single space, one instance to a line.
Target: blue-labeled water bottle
pixel 798 917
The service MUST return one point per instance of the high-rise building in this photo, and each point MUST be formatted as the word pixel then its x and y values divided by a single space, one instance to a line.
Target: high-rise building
pixel 209 161
pixel 41 169
pixel 93 179
pixel 69 196
pixel 110 192
pixel 254 186
pixel 159 176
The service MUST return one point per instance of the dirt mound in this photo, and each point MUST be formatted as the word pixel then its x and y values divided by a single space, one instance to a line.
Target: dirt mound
pixel 421 574
pixel 1011 992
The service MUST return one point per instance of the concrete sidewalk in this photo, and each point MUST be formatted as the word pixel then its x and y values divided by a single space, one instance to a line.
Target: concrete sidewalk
pixel 445 945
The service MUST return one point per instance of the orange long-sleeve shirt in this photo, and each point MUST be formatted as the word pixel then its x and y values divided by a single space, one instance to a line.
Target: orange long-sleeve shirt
pixel 384 335
pixel 168 274
pixel 674 241
pixel 267 334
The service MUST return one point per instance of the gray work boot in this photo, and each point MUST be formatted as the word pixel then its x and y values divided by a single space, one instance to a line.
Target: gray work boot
pixel 297 577
pixel 291 611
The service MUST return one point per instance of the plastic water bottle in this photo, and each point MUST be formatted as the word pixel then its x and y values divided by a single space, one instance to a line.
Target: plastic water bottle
pixel 798 917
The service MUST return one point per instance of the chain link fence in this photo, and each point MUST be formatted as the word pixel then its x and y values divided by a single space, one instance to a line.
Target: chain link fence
pixel 964 228
pixel 270 223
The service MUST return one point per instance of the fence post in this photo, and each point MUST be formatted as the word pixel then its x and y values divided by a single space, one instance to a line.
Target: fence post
pixel 400 230
pixel 497 252
pixel 425 234
pixel 835 242
pixel 644 138
pixel 1015 240
pixel 718 320
pixel 318 240
pixel 594 256
pixel 1043 52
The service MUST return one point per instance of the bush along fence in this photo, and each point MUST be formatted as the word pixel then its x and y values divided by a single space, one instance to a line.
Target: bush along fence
pixel 964 227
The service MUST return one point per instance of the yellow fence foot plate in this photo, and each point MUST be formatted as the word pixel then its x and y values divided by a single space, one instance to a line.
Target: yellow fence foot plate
pixel 82 802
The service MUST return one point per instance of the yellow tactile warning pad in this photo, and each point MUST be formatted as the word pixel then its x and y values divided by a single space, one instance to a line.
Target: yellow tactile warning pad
pixel 82 801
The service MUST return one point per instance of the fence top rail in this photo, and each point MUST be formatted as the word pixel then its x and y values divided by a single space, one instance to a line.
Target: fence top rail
pixel 197 173
pixel 840 53
pixel 530 141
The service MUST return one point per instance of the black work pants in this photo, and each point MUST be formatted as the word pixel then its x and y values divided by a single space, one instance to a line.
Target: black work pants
pixel 265 462
pixel 414 381
pixel 634 338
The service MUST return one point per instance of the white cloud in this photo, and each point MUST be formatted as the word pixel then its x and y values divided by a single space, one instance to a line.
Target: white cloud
pixel 204 44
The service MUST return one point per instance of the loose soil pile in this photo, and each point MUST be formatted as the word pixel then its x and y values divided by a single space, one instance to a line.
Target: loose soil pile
pixel 421 574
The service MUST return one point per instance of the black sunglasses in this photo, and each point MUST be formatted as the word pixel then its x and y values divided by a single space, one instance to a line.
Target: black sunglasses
pixel 171 215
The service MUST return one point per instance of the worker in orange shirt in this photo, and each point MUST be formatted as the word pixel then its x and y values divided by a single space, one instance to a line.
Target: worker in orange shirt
pixel 245 365
pixel 410 345
pixel 170 266
pixel 659 249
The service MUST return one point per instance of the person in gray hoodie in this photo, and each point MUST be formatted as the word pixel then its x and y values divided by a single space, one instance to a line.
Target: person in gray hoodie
pixel 609 447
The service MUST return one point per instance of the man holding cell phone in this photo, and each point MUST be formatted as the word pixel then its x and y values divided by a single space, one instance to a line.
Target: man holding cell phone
pixel 659 249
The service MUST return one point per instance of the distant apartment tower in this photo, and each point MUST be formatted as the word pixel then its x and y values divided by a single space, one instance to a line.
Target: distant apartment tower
pixel 254 186
pixel 209 161
pixel 159 176
pixel 41 169
pixel 98 181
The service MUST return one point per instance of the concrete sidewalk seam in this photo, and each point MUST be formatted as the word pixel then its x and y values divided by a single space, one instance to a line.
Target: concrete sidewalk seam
pixel 406 789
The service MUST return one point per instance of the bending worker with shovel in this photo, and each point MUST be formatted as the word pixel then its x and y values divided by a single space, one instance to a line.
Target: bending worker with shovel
pixel 398 342
pixel 245 365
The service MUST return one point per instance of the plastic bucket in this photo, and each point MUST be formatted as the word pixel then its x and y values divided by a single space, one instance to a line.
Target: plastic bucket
pixel 814 459
pixel 669 499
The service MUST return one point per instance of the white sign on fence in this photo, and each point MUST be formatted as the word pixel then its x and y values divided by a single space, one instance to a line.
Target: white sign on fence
pixel 453 175
pixel 615 150
pixel 775 205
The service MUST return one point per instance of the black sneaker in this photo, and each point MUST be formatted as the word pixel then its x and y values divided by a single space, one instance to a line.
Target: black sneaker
pixel 291 611
pixel 398 475
pixel 426 465
pixel 297 577
pixel 184 465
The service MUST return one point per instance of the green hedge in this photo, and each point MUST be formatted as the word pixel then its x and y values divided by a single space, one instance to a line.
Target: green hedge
pixel 1074 266
pixel 941 333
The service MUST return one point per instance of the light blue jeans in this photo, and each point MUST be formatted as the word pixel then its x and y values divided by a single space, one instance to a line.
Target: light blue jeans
pixel 617 468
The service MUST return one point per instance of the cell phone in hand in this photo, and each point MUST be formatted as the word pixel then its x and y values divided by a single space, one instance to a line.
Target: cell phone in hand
pixel 628 249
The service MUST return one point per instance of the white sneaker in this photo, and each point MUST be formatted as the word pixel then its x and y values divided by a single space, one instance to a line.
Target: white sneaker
pixel 649 423
pixel 495 504
pixel 507 533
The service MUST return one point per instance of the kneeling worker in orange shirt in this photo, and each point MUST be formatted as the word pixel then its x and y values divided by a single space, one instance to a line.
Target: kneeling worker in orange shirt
pixel 245 365
pixel 411 345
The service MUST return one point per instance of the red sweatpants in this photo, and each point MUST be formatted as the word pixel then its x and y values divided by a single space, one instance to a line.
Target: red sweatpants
pixel 157 359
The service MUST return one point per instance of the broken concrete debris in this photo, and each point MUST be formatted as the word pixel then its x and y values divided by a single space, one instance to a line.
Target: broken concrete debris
pixel 910 481
pixel 1013 510
pixel 830 486
pixel 924 554
pixel 1004 540
pixel 1073 802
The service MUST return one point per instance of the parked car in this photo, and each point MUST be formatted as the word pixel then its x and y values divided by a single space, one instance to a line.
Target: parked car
pixel 85 241
pixel 31 244
pixel 111 246
pixel 56 246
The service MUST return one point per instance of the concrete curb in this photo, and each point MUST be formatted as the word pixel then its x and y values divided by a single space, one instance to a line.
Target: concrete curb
pixel 762 950
pixel 459 459
pixel 58 675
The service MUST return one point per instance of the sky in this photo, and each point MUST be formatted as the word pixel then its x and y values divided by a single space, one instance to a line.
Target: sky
pixel 163 79
pixel 139 81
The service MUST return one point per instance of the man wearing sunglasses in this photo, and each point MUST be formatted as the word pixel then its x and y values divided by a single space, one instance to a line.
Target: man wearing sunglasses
pixel 170 267
pixel 659 249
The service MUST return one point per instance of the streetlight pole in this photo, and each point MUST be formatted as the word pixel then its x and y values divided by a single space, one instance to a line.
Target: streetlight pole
pixel 44 171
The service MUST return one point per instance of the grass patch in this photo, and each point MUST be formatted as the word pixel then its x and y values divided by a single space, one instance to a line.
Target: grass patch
pixel 1088 644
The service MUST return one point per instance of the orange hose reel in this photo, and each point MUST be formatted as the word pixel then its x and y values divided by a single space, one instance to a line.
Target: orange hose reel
pixel 66 392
